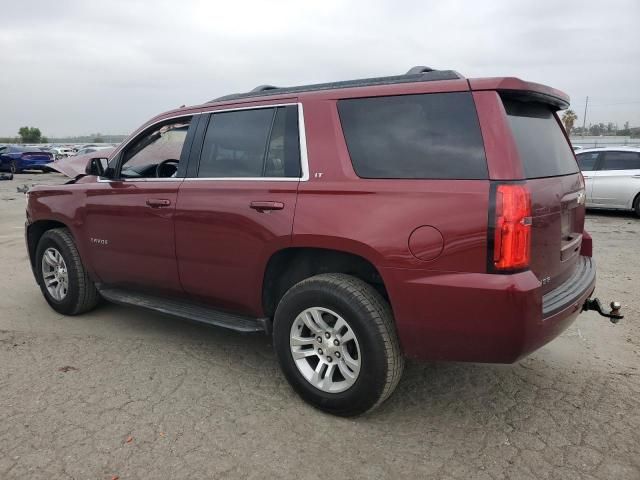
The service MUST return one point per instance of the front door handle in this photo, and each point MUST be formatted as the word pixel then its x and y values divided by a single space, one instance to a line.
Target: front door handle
pixel 158 202
pixel 264 206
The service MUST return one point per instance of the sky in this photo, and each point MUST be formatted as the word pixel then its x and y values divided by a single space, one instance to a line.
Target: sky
pixel 81 67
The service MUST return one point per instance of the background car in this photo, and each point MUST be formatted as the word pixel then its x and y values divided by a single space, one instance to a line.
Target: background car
pixel 16 159
pixel 75 165
pixel 61 152
pixel 612 177
pixel 92 148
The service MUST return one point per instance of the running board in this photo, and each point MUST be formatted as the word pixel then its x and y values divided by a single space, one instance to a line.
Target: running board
pixel 190 311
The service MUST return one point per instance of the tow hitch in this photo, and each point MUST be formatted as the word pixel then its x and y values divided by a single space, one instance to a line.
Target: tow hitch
pixel 594 304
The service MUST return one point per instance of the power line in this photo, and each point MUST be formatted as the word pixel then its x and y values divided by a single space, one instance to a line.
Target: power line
pixel 584 118
pixel 607 104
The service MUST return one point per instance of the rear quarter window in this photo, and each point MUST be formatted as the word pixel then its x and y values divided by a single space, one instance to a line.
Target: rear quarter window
pixel 543 148
pixel 429 136
pixel 587 161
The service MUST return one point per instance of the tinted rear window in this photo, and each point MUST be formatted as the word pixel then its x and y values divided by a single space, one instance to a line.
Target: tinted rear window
pixel 543 148
pixel 252 143
pixel 414 136
pixel 621 161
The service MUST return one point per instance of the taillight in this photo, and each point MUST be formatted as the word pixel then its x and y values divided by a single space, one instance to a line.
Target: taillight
pixel 512 234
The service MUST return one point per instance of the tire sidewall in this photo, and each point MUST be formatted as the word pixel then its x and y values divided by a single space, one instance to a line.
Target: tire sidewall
pixel 369 386
pixel 67 304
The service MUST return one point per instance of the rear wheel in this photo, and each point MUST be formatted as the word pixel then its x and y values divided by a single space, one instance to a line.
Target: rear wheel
pixel 636 205
pixel 63 279
pixel 336 343
pixel 13 167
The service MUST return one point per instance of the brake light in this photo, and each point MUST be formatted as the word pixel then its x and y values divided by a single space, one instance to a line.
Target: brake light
pixel 512 240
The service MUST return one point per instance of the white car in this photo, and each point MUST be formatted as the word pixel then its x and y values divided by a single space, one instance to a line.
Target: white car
pixel 61 152
pixel 91 149
pixel 612 177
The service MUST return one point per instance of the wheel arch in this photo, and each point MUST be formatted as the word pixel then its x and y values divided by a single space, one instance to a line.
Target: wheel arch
pixel 635 201
pixel 288 266
pixel 34 233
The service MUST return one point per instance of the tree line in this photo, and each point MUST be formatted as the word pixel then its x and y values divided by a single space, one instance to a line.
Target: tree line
pixel 569 118
pixel 33 135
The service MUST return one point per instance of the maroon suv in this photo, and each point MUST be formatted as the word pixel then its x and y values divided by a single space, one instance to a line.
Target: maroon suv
pixel 423 215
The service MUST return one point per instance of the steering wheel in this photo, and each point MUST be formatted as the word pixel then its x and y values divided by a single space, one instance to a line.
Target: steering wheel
pixel 167 168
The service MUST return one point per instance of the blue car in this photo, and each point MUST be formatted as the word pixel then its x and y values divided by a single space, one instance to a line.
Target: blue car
pixel 16 159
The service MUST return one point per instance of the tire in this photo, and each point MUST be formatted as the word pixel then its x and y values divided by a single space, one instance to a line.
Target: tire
pixel 636 205
pixel 81 294
pixel 13 167
pixel 336 296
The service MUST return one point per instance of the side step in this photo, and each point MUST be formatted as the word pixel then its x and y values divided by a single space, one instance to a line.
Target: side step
pixel 190 311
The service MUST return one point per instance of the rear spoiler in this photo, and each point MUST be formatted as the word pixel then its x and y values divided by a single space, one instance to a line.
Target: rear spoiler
pixel 521 90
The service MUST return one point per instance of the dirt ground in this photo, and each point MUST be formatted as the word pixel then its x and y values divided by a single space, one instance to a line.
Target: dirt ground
pixel 125 393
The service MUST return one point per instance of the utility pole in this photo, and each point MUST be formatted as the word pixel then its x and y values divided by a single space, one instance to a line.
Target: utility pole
pixel 584 117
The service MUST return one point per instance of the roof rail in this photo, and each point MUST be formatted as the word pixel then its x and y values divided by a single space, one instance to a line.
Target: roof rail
pixel 419 69
pixel 415 74
pixel 262 88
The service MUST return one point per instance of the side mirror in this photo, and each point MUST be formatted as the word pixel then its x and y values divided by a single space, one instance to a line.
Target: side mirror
pixel 97 167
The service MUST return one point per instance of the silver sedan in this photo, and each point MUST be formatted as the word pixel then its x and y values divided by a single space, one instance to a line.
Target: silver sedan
pixel 612 177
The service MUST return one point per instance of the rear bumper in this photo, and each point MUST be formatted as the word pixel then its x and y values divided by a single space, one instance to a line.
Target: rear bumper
pixel 567 294
pixel 34 164
pixel 479 317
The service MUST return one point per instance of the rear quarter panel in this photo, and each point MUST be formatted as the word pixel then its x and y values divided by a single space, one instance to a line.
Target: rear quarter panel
pixel 374 218
pixel 616 188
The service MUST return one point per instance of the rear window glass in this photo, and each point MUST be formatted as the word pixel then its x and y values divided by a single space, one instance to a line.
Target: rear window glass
pixel 252 143
pixel 430 136
pixel 544 150
pixel 621 161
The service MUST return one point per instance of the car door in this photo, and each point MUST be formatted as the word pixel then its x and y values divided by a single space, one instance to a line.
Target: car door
pixel 236 206
pixel 617 181
pixel 588 162
pixel 129 217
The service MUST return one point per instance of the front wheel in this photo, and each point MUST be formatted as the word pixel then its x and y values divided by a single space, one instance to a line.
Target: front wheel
pixel 636 205
pixel 13 167
pixel 336 343
pixel 63 279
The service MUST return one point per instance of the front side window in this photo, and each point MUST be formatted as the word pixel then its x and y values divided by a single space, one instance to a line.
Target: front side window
pixel 621 161
pixel 251 143
pixel 428 136
pixel 157 152
pixel 587 161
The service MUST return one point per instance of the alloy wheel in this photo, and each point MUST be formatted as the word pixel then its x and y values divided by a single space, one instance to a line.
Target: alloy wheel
pixel 325 349
pixel 54 274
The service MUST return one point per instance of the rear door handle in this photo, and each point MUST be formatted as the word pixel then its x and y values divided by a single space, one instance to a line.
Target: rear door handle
pixel 264 206
pixel 158 202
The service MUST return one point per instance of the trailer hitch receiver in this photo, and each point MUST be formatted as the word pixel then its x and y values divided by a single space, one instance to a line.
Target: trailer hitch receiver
pixel 594 304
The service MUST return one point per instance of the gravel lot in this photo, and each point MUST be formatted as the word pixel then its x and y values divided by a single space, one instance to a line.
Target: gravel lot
pixel 125 393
